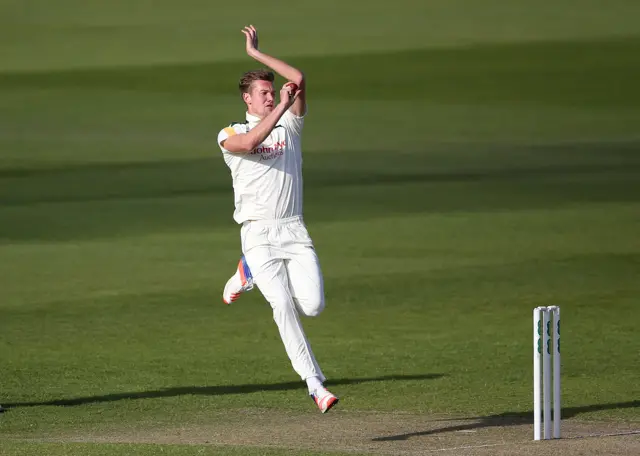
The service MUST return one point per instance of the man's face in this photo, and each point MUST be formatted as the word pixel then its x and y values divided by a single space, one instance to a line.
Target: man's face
pixel 260 99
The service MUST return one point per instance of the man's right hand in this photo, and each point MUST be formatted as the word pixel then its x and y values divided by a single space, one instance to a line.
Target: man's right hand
pixel 287 96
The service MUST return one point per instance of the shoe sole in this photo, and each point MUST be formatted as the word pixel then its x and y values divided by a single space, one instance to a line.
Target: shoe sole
pixel 331 404
pixel 230 302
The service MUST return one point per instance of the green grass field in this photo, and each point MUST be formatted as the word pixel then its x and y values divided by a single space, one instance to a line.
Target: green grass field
pixel 465 162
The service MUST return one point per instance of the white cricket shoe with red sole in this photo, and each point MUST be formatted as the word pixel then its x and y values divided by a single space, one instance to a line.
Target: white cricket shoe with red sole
pixel 240 282
pixel 324 399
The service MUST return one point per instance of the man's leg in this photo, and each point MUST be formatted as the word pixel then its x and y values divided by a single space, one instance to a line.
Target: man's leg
pixel 305 280
pixel 270 275
pixel 306 285
pixel 269 270
pixel 303 268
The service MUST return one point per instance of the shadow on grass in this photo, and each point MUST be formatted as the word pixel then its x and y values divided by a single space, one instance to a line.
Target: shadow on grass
pixel 215 390
pixel 508 419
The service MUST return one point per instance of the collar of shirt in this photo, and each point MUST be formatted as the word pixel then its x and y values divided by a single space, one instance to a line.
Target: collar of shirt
pixel 252 119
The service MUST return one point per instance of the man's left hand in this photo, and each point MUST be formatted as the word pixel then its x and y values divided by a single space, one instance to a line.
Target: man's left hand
pixel 252 40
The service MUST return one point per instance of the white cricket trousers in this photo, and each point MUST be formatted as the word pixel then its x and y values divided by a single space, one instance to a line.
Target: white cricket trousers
pixel 286 269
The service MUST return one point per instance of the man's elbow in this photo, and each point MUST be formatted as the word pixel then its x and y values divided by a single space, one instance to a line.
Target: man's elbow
pixel 299 79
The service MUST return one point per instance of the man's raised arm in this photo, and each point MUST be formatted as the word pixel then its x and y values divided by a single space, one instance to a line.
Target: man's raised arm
pixel 282 68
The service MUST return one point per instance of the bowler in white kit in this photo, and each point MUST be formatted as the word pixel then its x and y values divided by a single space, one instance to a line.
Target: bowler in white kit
pixel 264 156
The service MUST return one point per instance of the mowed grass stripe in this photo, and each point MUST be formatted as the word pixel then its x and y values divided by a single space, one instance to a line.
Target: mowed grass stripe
pixel 435 164
pixel 571 73
pixel 139 215
pixel 39 35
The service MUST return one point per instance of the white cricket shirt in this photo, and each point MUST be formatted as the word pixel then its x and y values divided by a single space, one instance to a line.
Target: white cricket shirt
pixel 267 182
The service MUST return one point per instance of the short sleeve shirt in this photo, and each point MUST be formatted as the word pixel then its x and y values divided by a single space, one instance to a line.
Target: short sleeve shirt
pixel 267 182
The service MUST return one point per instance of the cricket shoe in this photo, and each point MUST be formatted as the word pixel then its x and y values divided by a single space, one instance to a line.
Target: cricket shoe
pixel 324 399
pixel 240 282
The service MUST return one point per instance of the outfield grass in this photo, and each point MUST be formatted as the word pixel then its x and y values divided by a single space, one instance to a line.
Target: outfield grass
pixel 456 176
pixel 35 35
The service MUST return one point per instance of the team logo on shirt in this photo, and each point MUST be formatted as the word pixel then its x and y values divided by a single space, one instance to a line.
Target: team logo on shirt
pixel 270 152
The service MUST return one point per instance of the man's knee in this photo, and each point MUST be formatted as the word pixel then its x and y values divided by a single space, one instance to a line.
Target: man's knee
pixel 311 307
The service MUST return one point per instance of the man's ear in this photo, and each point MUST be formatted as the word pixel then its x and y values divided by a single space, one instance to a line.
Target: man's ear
pixel 246 97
